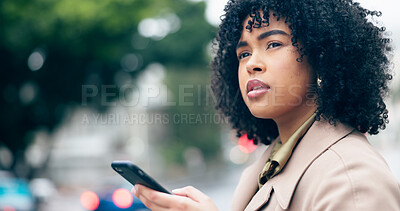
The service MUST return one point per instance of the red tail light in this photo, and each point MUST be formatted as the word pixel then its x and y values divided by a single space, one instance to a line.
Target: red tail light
pixel 122 198
pixel 246 145
pixel 7 208
pixel 90 200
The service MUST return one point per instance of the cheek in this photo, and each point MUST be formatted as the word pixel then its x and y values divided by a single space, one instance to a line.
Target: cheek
pixel 299 82
pixel 242 79
pixel 293 72
pixel 292 79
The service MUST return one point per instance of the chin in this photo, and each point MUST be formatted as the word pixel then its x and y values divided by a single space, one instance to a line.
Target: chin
pixel 260 113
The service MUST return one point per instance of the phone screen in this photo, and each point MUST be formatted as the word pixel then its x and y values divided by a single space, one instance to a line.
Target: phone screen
pixel 135 175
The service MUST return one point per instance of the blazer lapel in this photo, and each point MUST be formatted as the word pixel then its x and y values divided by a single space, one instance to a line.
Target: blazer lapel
pixel 261 197
pixel 317 140
pixel 248 183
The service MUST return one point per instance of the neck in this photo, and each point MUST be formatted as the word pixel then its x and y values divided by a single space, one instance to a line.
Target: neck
pixel 288 124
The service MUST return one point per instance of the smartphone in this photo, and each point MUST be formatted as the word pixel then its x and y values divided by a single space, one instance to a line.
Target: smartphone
pixel 135 175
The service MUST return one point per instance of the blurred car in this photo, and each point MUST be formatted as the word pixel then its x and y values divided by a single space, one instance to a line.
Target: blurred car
pixel 43 189
pixel 15 194
pixel 111 197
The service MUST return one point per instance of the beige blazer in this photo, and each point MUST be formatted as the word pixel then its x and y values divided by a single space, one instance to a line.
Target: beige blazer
pixel 332 168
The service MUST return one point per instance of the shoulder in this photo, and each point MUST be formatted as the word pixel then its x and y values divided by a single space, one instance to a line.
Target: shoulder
pixel 359 159
pixel 352 171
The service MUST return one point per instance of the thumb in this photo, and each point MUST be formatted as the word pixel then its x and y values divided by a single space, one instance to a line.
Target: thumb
pixel 191 193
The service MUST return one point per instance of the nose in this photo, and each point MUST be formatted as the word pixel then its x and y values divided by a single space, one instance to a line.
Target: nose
pixel 255 64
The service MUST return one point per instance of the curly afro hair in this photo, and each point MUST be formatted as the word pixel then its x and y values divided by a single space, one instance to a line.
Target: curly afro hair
pixel 347 51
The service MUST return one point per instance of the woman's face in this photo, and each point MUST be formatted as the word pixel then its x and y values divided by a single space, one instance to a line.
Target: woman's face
pixel 272 83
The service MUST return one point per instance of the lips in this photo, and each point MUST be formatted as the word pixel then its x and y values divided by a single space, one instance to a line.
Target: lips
pixel 256 88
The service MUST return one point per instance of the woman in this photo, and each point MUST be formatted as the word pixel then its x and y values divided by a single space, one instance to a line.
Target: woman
pixel 312 76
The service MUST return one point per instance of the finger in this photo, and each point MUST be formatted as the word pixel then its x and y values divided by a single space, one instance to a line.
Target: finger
pixel 155 200
pixel 191 193
pixel 152 206
pixel 148 197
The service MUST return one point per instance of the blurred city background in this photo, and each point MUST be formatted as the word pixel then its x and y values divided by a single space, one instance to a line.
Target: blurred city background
pixel 85 83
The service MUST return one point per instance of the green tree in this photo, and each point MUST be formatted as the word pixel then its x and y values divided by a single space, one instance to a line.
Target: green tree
pixel 50 49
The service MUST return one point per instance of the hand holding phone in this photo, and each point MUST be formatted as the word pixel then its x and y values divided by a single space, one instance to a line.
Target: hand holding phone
pixel 135 175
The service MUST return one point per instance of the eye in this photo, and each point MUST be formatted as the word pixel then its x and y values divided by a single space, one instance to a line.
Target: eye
pixel 243 55
pixel 273 45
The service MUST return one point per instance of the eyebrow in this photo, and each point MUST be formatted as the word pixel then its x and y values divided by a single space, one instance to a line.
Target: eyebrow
pixel 262 36
pixel 270 33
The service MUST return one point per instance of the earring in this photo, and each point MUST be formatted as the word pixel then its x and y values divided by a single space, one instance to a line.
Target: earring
pixel 319 82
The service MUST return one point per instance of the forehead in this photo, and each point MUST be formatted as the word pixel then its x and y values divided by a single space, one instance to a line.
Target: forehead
pixel 273 22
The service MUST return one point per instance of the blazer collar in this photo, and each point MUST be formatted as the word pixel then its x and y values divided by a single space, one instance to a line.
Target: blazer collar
pixel 318 139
